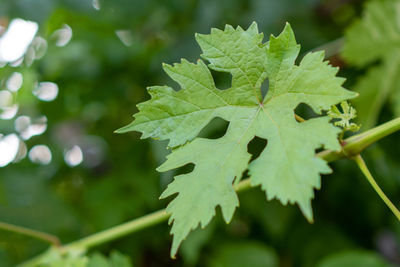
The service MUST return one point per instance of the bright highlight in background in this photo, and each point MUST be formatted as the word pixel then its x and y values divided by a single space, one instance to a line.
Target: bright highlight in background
pixel 17 38
pixel 46 91
pixel 74 156
pixel 63 35
pixel 9 149
pixel 40 154
pixel 15 81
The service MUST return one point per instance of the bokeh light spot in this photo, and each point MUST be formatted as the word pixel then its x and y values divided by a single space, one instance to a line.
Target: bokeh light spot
pixel 17 38
pixel 40 154
pixel 14 82
pixel 46 91
pixel 28 128
pixel 74 156
pixel 9 146
pixel 63 35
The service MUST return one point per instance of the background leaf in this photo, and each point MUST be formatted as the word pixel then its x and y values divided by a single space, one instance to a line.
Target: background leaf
pixel 354 258
pixel 375 38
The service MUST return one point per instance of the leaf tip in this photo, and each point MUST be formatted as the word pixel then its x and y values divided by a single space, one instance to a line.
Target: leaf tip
pixel 160 169
pixel 355 94
pixel 253 27
pixel 306 209
pixel 175 246
pixel 288 27
pixel 126 128
pixel 165 66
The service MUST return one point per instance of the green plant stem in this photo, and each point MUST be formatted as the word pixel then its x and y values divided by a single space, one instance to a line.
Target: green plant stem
pixel 134 225
pixel 358 143
pixel 364 169
pixel 243 186
pixel 30 232
pixel 355 144
pixel 351 146
pixel 120 230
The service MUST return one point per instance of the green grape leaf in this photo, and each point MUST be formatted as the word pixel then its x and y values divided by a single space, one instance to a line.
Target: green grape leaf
pixel 287 169
pixel 376 37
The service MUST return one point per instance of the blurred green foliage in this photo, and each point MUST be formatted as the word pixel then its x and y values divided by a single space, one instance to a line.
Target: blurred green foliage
pixel 372 44
pixel 101 78
pixel 353 258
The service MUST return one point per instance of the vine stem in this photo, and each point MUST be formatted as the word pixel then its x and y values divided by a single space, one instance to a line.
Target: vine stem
pixel 355 144
pixel 52 239
pixel 133 226
pixel 351 147
pixel 120 230
pixel 364 169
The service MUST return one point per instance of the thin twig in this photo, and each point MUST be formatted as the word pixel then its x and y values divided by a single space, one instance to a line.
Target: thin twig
pixel 364 169
pixel 52 239
pixel 121 230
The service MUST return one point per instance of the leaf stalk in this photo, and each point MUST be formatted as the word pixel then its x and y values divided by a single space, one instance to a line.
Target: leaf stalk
pixel 364 169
